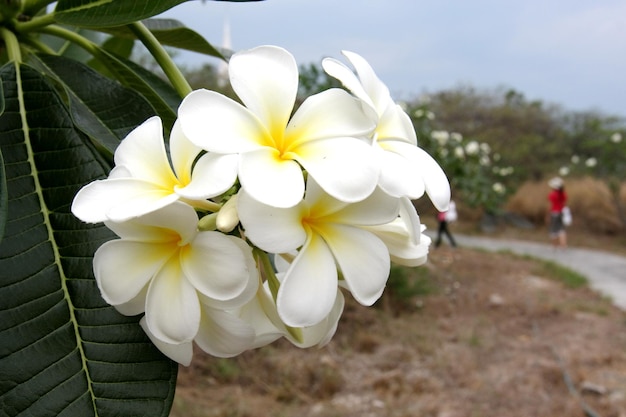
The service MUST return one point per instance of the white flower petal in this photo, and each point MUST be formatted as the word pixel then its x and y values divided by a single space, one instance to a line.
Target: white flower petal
pixel 174 223
pixel 213 174
pixel 398 176
pixel 252 283
pixel 223 334
pixel 219 124
pixel 134 306
pixel 375 88
pixel 411 219
pixel 321 333
pixel 181 353
pixel 324 203
pixel 329 114
pixel 90 203
pixel 272 229
pixel 309 289
pixel 349 79
pixel 261 314
pixel 433 177
pixel 183 153
pixel 435 181
pixel 143 203
pixel 395 123
pixel 143 153
pixel 402 249
pixel 378 208
pixel 345 168
pixel 363 260
pixel 266 80
pixel 215 266
pixel 172 305
pixel 271 179
pixel 123 268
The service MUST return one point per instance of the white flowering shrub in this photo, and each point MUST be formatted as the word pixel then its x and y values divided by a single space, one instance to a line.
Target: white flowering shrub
pixel 476 174
pixel 140 218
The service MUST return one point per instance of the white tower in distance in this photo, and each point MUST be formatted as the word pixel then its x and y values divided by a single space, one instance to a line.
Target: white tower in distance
pixel 222 70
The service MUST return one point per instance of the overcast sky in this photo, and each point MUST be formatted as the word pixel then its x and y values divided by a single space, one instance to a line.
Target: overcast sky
pixel 566 52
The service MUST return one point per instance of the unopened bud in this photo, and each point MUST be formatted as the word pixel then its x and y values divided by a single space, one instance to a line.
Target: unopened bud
pixel 227 217
pixel 208 222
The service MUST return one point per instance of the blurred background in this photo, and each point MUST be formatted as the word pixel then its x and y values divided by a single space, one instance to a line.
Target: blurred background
pixel 503 95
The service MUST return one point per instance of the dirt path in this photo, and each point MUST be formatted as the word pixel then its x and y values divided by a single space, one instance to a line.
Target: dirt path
pixel 606 272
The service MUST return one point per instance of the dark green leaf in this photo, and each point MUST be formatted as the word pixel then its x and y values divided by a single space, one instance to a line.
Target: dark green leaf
pixel 119 46
pixel 3 181
pixel 101 13
pixel 99 106
pixel 63 351
pixel 161 95
pixel 172 33
pixel 4 197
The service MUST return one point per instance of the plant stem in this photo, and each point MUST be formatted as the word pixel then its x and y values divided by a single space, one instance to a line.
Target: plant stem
pixel 66 34
pixel 36 23
pixel 12 44
pixel 161 56
pixel 32 7
pixel 268 271
pixel 274 284
pixel 36 43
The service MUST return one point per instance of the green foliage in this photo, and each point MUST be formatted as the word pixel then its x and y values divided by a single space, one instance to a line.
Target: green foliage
pixel 476 174
pixel 404 284
pixel 538 139
pixel 64 350
pixel 171 33
pixel 107 13
pixel 313 80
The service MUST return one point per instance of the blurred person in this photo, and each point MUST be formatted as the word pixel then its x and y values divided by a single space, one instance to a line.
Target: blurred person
pixel 445 217
pixel 558 201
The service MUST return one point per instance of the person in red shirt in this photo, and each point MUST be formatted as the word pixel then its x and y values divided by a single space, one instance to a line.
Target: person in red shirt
pixel 558 201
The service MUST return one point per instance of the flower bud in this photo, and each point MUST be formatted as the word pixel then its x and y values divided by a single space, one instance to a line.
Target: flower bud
pixel 227 217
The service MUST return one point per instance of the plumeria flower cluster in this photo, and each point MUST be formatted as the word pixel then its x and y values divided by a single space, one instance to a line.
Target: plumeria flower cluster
pixel 259 218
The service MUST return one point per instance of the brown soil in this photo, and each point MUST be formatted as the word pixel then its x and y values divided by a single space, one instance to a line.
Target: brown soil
pixel 483 335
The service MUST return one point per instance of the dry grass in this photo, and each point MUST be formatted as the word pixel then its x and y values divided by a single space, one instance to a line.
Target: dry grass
pixel 590 200
pixel 494 335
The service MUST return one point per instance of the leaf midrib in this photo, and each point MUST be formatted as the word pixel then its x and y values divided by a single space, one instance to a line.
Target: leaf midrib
pixel 50 232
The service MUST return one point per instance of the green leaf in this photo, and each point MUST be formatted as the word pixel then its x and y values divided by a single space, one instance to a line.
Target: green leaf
pixel 4 196
pixel 102 13
pixel 119 46
pixel 161 95
pixel 99 106
pixel 63 351
pixel 171 32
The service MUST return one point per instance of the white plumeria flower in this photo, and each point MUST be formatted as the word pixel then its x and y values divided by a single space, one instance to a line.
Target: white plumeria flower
pixel 322 137
pixel 404 237
pixel 164 266
pixel 143 179
pixel 329 235
pixel 221 333
pixel 403 163
pixel 262 315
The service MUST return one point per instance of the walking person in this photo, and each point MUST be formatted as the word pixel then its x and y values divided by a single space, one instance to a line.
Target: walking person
pixel 558 203
pixel 444 218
